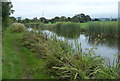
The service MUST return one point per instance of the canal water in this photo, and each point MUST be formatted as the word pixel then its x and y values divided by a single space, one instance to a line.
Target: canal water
pixel 105 47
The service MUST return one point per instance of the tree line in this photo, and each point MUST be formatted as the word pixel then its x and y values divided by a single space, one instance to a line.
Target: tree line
pixel 79 18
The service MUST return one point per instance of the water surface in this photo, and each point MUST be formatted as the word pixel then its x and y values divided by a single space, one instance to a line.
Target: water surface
pixel 107 47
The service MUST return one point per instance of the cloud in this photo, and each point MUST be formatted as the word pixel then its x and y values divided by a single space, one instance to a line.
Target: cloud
pixel 52 8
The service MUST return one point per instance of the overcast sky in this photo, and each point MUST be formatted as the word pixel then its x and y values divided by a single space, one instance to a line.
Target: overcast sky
pixel 52 8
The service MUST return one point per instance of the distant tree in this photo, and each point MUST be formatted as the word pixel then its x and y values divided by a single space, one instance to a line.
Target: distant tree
pixel 113 19
pixel 88 18
pixel 51 20
pixel 107 19
pixel 35 19
pixel 26 20
pixel 43 19
pixel 81 18
pixel 56 19
pixel 6 12
pixel 68 19
pixel 63 18
pixel 96 19
pixel 75 19
pixel 19 19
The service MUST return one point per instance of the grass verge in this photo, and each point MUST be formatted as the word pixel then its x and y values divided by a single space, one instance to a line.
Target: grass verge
pixel 19 62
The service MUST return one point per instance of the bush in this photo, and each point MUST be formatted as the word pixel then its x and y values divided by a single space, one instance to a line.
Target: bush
pixel 18 27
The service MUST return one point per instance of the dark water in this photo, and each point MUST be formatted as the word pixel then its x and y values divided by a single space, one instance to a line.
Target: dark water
pixel 106 47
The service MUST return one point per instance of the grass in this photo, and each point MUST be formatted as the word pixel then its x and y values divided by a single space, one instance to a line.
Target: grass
pixel 106 28
pixel 19 62
pixel 33 55
pixel 67 29
pixel 65 63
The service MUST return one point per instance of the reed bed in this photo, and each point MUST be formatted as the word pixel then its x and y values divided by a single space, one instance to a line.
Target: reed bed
pixel 65 63
pixel 104 28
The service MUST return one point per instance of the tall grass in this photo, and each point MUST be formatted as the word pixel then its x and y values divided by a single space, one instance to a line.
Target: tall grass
pixel 39 25
pixel 65 63
pixel 67 29
pixel 105 28
pixel 18 27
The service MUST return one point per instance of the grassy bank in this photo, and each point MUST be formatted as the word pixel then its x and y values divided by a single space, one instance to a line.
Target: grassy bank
pixel 18 61
pixel 32 55
pixel 65 63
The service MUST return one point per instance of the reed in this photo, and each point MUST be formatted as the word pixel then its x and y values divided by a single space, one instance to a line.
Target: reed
pixel 65 63
pixel 105 28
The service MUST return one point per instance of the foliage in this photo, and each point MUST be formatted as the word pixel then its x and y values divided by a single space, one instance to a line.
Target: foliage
pixel 6 12
pixel 43 20
pixel 65 63
pixel 104 28
pixel 81 18
pixel 17 27
pixel 67 29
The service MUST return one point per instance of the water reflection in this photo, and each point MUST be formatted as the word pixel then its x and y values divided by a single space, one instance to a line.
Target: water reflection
pixel 106 47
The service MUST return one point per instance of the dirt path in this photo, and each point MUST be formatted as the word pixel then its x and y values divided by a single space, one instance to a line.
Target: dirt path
pixel 26 74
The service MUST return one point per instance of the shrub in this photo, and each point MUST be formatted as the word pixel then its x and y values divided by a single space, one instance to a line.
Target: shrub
pixel 18 27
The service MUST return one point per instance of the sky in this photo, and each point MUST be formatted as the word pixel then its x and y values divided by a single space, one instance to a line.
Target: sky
pixel 52 8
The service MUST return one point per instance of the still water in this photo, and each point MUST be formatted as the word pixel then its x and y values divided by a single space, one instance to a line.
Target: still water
pixel 107 47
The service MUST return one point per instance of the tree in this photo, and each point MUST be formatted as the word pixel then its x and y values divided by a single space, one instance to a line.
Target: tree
pixel 68 19
pixel 44 20
pixel 88 18
pixel 63 18
pixel 113 19
pixel 96 19
pixel 56 19
pixel 75 19
pixel 19 19
pixel 26 20
pixel 6 12
pixel 81 18
pixel 13 19
pixel 35 19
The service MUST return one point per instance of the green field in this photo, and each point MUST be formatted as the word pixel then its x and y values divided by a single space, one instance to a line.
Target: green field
pixel 18 61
